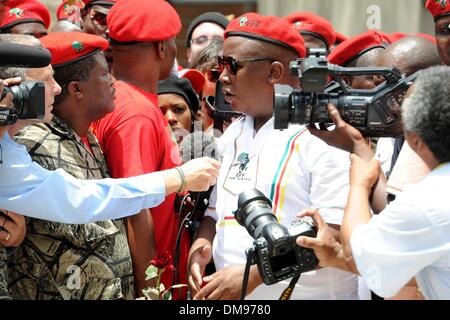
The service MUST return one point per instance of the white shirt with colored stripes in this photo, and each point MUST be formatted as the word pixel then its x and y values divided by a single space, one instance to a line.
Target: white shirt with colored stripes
pixel 296 171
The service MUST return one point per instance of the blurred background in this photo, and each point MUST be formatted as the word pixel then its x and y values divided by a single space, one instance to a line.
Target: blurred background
pixel 349 17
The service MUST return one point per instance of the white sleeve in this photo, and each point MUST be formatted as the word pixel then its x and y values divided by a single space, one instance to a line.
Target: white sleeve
pixel 211 211
pixel 329 171
pixel 395 246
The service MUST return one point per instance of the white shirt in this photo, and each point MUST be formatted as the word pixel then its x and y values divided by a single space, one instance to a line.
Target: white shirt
pixel 296 171
pixel 30 190
pixel 384 152
pixel 411 238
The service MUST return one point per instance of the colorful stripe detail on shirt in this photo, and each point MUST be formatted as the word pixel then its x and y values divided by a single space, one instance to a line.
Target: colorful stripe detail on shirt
pixel 277 192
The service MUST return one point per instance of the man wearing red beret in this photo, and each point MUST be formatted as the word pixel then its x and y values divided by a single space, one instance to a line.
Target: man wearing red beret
pixel 360 51
pixel 66 142
pixel 440 11
pixel 291 168
pixel 317 31
pixel 30 17
pixel 136 137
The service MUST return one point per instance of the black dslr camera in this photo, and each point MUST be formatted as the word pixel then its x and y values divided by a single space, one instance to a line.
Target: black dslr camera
pixel 275 251
pixel 376 112
pixel 28 102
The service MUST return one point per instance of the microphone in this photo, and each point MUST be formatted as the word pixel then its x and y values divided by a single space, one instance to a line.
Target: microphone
pixel 196 145
pixel 25 56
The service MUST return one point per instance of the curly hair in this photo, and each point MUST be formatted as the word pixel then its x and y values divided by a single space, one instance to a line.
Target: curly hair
pixel 427 111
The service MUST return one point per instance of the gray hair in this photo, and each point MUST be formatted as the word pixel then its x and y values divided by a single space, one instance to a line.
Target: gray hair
pixel 207 57
pixel 12 72
pixel 427 111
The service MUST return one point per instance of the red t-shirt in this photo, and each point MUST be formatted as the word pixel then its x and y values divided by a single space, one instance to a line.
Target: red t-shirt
pixel 136 139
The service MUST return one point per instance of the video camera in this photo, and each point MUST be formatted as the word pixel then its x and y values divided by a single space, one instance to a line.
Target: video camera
pixel 275 251
pixel 376 112
pixel 28 102
pixel 29 96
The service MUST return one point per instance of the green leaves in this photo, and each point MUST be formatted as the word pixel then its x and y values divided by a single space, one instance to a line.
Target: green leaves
pixel 151 272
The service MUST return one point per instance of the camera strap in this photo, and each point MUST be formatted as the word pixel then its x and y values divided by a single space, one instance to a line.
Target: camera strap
pixel 250 257
pixel 287 293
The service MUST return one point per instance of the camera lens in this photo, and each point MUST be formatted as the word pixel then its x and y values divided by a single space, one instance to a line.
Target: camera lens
pixel 254 212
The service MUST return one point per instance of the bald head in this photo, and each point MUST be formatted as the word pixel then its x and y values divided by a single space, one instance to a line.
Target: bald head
pixel 410 54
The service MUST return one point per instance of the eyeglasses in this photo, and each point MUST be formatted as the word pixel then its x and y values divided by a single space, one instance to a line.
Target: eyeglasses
pixel 232 65
pixel 99 17
pixel 204 39
pixel 213 75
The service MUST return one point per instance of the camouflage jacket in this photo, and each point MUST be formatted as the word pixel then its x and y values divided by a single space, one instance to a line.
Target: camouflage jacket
pixel 60 261
pixel 3 284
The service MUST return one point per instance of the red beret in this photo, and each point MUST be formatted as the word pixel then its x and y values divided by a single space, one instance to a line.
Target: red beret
pixel 61 12
pixel 196 78
pixel 270 29
pixel 143 21
pixel 398 36
pixel 70 47
pixel 355 47
pixel 438 8
pixel 99 2
pixel 386 37
pixel 308 23
pixel 340 37
pixel 30 11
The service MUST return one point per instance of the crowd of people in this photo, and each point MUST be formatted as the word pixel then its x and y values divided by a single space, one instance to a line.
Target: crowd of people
pixel 137 156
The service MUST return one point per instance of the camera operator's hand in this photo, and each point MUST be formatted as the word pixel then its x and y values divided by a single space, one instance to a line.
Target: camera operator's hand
pixel 344 136
pixel 226 284
pixel 326 245
pixel 198 259
pixel 7 101
pixel 201 173
pixel 12 229
pixel 364 173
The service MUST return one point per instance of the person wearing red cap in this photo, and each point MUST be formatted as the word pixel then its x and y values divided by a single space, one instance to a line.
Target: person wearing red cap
pixel 360 51
pixel 135 137
pixel 30 17
pixel 317 31
pixel 291 167
pixel 440 10
pixel 66 142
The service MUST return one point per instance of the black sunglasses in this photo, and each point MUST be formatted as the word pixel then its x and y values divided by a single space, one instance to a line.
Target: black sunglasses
pixel 233 65
pixel 99 17
pixel 213 74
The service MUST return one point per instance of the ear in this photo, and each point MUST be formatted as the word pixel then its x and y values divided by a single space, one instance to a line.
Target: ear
pixel 75 90
pixel 276 72
pixel 161 49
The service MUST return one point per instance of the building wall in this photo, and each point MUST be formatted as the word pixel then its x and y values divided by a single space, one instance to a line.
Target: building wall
pixel 351 17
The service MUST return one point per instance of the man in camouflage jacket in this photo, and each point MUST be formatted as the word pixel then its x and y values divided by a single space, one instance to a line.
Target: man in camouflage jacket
pixel 60 261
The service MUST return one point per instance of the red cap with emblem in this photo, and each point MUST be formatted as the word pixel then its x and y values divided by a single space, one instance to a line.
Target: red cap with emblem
pixel 438 8
pixel 143 21
pixel 308 23
pixel 69 47
pixel 30 11
pixel 351 49
pixel 270 29
pixel 62 10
